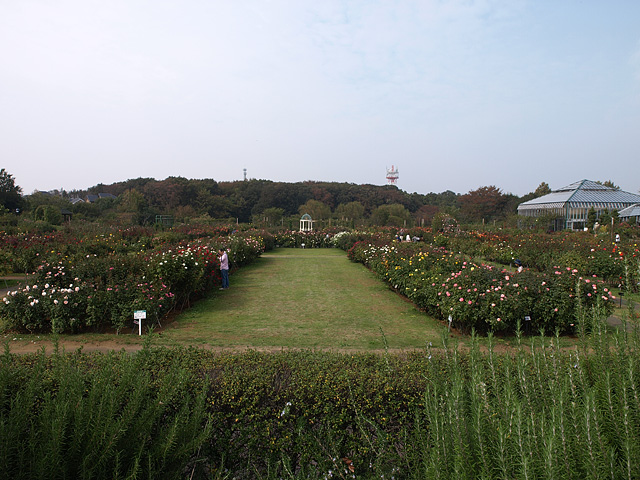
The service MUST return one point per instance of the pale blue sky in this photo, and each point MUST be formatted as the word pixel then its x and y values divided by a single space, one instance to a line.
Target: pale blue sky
pixel 456 94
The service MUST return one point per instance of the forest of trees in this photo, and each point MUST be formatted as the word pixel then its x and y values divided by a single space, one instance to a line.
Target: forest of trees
pixel 140 200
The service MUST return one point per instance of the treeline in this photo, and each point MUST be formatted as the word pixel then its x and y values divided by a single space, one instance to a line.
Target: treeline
pixel 269 203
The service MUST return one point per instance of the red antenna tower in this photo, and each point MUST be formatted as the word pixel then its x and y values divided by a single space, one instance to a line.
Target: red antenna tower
pixel 392 176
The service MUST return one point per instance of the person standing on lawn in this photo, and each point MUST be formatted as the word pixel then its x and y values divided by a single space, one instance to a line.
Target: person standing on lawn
pixel 224 268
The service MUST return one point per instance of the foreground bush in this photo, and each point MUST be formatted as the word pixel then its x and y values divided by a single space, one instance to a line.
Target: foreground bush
pixel 539 411
pixel 102 417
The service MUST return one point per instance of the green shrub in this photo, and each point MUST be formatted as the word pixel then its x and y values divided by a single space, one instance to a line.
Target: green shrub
pixel 533 412
pixel 74 416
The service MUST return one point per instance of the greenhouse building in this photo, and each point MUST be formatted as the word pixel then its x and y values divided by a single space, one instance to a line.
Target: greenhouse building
pixel 570 205
pixel 630 214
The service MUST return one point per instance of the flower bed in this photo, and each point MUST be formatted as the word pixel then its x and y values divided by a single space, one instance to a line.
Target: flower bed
pixel 97 282
pixel 480 296
pixel 294 239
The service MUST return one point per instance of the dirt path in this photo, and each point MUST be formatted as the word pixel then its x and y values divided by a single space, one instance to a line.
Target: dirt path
pixel 616 321
pixel 4 288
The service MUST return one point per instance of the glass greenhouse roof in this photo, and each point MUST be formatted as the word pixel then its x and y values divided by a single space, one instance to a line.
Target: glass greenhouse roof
pixel 584 193
pixel 632 211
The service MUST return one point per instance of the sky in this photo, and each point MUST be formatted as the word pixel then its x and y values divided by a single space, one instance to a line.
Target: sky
pixel 456 94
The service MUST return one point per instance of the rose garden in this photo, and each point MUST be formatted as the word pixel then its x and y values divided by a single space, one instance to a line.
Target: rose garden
pixel 561 400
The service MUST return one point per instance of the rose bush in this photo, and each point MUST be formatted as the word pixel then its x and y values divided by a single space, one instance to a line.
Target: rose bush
pixel 98 281
pixel 480 296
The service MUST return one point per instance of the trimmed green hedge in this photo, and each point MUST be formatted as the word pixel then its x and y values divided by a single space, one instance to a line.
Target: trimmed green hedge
pixel 536 412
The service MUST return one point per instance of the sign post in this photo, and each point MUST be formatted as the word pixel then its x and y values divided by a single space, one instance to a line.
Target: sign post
pixel 138 316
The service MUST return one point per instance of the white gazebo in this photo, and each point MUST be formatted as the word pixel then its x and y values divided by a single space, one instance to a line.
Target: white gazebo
pixel 306 224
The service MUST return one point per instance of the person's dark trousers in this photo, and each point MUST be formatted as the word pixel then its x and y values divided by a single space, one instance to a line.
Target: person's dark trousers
pixel 225 278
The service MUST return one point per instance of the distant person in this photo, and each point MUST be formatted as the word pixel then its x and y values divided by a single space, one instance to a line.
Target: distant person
pixel 518 265
pixel 224 268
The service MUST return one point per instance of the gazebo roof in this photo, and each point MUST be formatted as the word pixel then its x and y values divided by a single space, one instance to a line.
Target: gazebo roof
pixel 581 194
pixel 306 216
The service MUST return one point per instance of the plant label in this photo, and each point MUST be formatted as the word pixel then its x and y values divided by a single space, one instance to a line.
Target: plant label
pixel 138 316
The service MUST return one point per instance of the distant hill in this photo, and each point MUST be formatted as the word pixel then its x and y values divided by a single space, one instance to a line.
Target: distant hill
pixel 142 199
pixel 242 199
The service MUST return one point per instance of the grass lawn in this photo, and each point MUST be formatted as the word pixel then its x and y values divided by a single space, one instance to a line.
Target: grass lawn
pixel 311 298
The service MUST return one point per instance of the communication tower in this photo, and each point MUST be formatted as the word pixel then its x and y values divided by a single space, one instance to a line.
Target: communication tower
pixel 392 176
pixel 245 174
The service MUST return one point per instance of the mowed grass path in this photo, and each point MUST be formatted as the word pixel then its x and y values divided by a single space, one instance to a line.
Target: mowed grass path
pixel 311 298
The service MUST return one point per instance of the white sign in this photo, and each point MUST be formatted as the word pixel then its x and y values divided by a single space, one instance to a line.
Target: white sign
pixel 138 316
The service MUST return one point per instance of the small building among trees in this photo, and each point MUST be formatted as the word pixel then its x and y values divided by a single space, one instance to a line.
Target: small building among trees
pixel 568 207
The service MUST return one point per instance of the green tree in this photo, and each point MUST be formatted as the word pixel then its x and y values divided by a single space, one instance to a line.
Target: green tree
pixel 591 218
pixel 609 183
pixel 203 200
pixel 350 211
pixel 170 193
pixel 220 207
pixel 48 213
pixel 289 197
pixel 184 213
pixel 273 215
pixel 133 202
pixel 86 210
pixel 317 210
pixel 38 199
pixel 10 193
pixel 134 206
pixel 605 218
pixel 394 215
pixel 7 219
pixel 543 189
